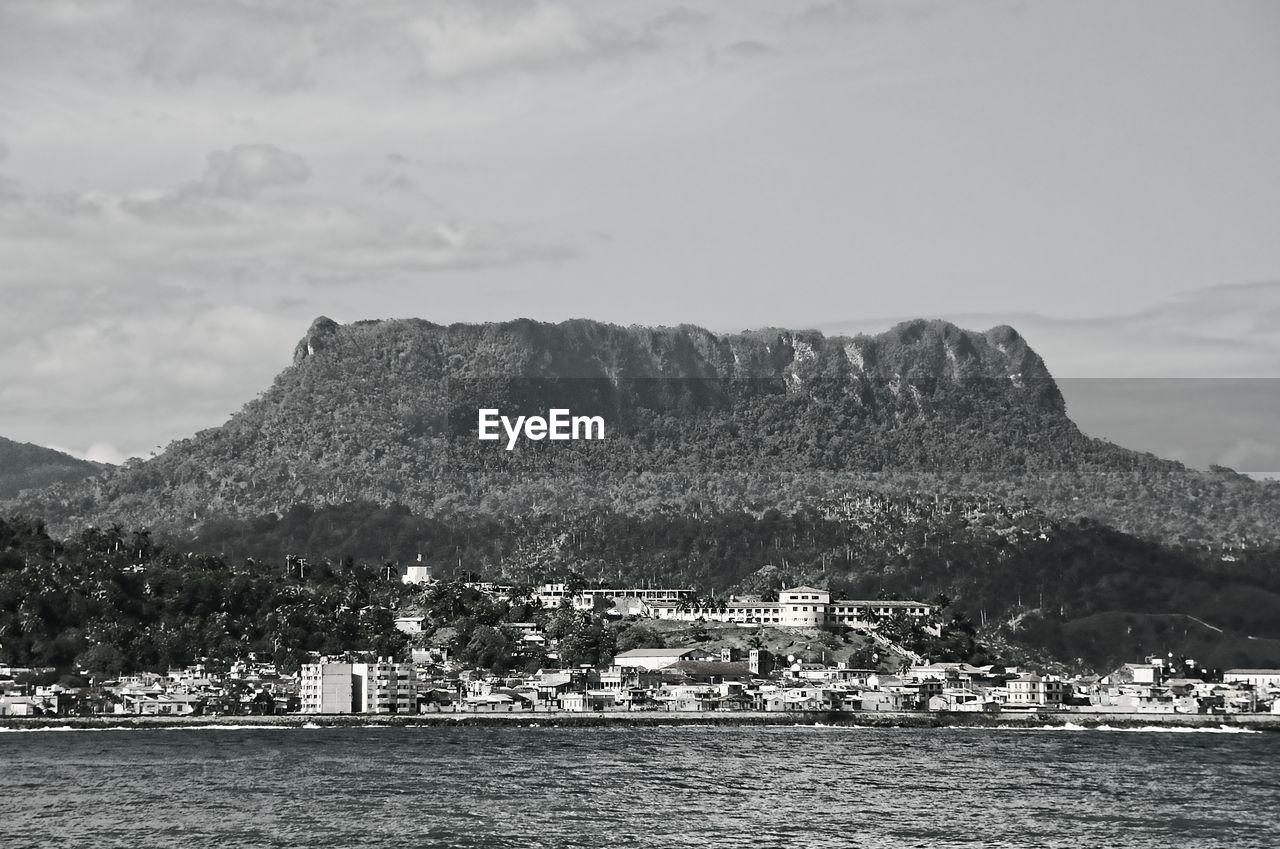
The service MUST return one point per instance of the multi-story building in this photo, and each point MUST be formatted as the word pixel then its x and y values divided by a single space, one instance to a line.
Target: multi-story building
pixel 1032 690
pixel 799 607
pixel 384 687
pixel 326 687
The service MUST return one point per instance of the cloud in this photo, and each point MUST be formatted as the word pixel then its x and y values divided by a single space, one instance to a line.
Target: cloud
pixel 1220 332
pixel 838 12
pixel 245 169
pixel 128 309
pixel 749 49
pixel 289 46
pixel 461 40
pixel 1251 455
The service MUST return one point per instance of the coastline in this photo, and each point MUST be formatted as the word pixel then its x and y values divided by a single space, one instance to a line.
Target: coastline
pixel 883 719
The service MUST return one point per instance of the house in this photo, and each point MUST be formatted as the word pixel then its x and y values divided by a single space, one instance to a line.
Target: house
pixel 410 624
pixel 416 573
pixel 1032 690
pixel 20 706
pixel 963 700
pixel 589 700
pixel 890 700
pixel 798 699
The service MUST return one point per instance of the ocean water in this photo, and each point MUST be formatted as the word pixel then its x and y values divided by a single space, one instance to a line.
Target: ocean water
pixel 644 787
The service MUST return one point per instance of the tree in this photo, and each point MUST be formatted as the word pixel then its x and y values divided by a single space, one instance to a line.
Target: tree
pixel 103 662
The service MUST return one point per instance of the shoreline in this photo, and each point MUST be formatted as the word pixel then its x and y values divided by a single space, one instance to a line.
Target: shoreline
pixel 916 719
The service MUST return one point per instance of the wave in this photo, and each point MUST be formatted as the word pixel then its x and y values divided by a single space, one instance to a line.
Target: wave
pixel 206 727
pixel 1140 729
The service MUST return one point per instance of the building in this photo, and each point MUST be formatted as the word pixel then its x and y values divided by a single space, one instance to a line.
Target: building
pixel 555 595
pixel 326 687
pixel 1032 690
pixel 416 573
pixel 799 607
pixel 660 658
pixel 410 624
pixel 1260 679
pixel 384 687
pixel 760 662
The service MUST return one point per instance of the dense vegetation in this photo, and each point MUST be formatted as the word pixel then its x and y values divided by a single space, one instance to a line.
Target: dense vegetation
pixel 1078 592
pixel 385 412
pixel 109 602
pixel 27 466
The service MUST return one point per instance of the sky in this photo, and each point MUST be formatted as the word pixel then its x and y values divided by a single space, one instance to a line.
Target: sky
pixel 185 186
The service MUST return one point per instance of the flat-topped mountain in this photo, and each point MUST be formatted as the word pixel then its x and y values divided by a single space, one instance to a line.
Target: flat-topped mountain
pixel 27 466
pixel 386 412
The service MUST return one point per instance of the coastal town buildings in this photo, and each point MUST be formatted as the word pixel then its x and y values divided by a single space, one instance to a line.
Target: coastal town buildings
pixel 662 679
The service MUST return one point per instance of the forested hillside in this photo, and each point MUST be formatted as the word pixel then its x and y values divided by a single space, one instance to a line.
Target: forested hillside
pixel 385 412
pixel 1076 590
pixel 27 466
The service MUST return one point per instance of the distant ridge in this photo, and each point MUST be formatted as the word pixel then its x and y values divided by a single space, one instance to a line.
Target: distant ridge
pixel 27 466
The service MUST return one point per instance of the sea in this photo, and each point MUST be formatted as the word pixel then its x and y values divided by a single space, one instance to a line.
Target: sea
pixel 650 787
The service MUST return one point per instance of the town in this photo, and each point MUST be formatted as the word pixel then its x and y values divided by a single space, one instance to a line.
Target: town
pixel 728 674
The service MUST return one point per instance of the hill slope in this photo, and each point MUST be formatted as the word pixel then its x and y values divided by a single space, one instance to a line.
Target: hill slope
pixel 27 466
pixel 385 412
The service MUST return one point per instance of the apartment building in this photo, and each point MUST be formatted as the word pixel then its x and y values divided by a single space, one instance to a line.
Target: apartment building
pixel 381 686
pixel 326 687
pixel 384 686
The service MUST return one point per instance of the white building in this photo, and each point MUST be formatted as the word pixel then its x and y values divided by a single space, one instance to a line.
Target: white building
pixel 326 687
pixel 799 607
pixel 1032 690
pixel 416 573
pixel 384 687
pixel 1261 679
pixel 410 624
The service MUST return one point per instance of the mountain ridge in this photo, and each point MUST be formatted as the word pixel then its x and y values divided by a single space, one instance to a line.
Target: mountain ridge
pixel 385 410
